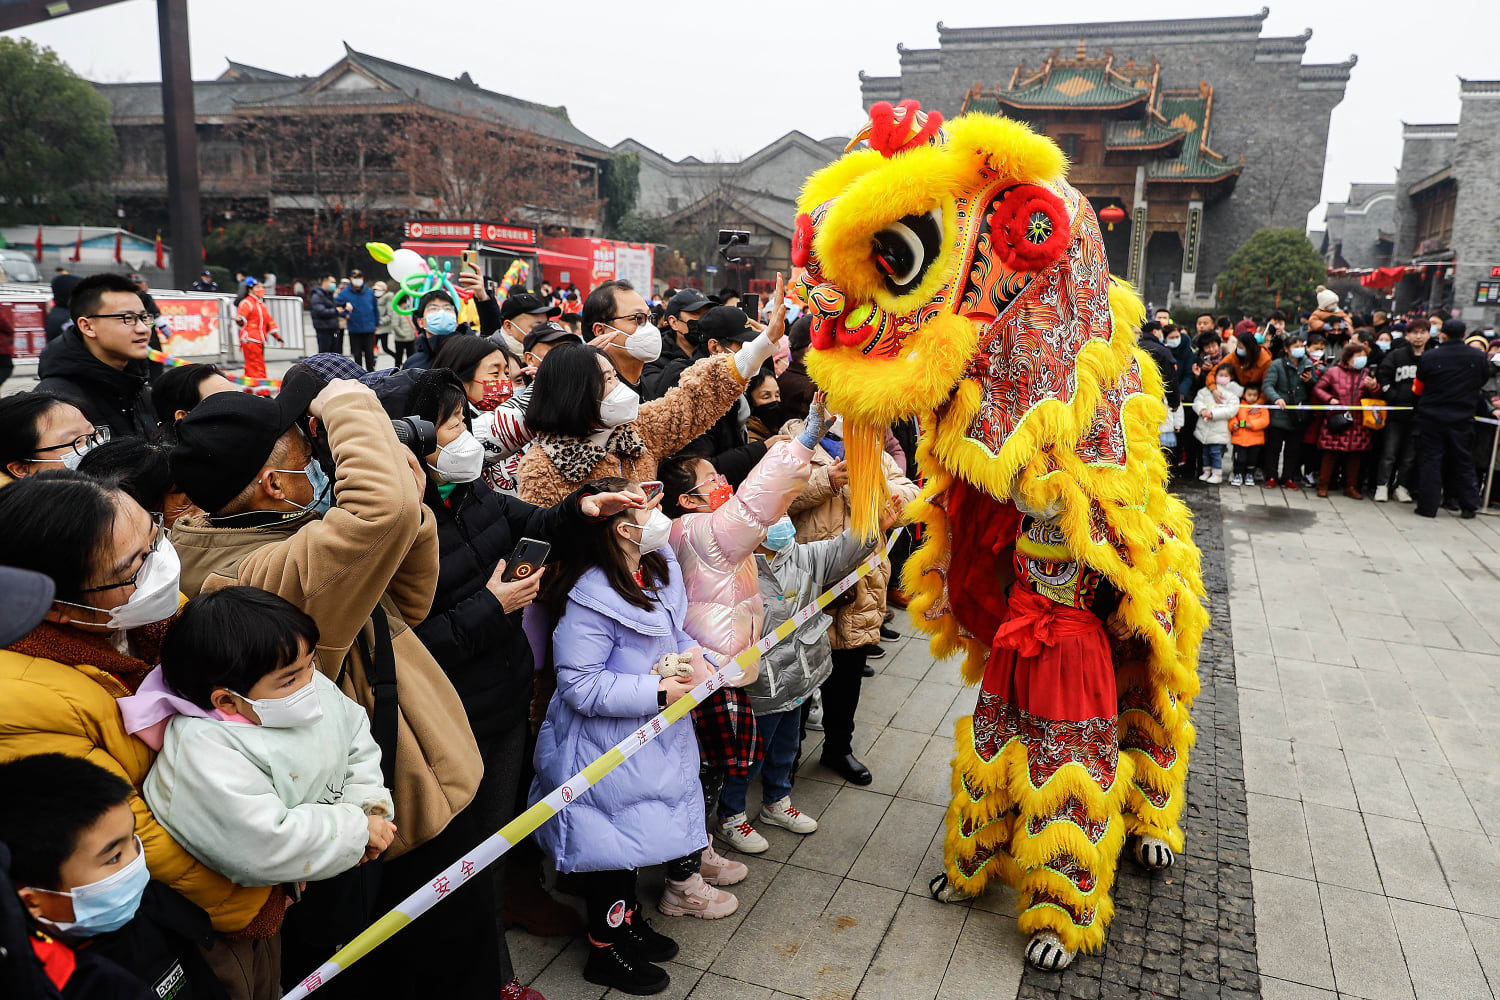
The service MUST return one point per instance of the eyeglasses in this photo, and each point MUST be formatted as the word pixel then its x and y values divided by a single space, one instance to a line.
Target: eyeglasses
pixel 129 319
pixel 639 318
pixel 159 533
pixel 83 443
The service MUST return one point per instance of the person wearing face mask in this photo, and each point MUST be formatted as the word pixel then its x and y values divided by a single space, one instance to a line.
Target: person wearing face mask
pixel 1287 384
pixel 1448 383
pixel 1396 375
pixel 520 314
pixel 325 316
pixel 435 318
pixel 618 599
pixel 1343 432
pixel 680 341
pixel 41 431
pixel 361 316
pixel 590 424
pixel 620 318
pixel 474 629
pixel 767 412
pixel 115 577
pixel 492 380
pixel 542 338
pixel 359 555
pixel 1249 359
pixel 100 929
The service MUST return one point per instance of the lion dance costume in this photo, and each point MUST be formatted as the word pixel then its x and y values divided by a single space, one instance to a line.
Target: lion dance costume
pixel 955 276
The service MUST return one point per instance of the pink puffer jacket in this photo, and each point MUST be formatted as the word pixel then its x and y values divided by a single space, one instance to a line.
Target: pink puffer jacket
pixel 715 549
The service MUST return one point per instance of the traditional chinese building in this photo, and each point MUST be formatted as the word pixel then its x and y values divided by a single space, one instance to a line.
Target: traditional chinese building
pixel 1199 131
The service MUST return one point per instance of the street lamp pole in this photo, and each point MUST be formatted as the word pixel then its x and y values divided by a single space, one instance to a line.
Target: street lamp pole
pixel 185 215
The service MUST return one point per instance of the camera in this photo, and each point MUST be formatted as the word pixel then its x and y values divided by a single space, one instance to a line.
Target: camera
pixel 418 435
pixel 729 239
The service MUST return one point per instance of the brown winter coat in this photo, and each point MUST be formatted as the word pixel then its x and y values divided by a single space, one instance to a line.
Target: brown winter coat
pixel 823 512
pixel 703 394
pixel 378 545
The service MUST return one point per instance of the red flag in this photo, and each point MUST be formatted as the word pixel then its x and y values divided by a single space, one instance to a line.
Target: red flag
pixel 38 244
pixel 78 247
pixel 161 261
pixel 118 258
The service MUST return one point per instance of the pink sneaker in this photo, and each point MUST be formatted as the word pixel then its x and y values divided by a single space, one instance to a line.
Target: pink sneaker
pixel 696 898
pixel 719 870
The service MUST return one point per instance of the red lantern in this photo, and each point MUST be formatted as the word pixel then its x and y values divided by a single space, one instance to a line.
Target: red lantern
pixel 1111 214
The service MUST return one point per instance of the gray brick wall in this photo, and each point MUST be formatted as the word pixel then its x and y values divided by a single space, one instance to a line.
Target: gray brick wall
pixel 1476 217
pixel 1356 224
pixel 1425 149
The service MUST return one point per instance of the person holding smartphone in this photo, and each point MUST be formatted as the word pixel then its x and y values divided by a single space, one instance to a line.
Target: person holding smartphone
pixel 474 628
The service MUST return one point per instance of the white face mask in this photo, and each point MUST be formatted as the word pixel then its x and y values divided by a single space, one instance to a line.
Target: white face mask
pixel 644 344
pixel 358 282
pixel 300 708
pixel 155 597
pixel 619 406
pixel 655 533
pixel 460 460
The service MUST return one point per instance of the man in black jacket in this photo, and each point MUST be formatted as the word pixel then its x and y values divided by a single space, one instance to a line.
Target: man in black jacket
pixel 1447 385
pixel 724 330
pixel 325 317
pixel 100 364
pixel 1166 362
pixel 1398 454
pixel 679 343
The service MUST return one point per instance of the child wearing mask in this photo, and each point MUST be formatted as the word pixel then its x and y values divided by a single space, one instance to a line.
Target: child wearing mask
pixel 1216 404
pixel 791 577
pixel 1248 434
pixel 100 928
pixel 267 772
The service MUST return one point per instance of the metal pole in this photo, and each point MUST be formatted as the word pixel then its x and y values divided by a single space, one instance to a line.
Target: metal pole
pixel 177 116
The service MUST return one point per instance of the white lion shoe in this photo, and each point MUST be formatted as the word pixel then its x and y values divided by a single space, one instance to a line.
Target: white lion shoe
pixel 946 892
pixel 1046 952
pixel 1153 853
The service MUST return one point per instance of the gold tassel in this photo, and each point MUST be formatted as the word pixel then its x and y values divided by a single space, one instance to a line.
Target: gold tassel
pixel 864 446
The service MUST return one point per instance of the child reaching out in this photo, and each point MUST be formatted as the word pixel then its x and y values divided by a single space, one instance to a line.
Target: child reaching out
pixel 267 772
pixel 1248 434
pixel 1216 404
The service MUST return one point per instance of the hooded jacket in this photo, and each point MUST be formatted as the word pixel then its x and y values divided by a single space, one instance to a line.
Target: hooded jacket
pixel 650 809
pixel 325 311
pixel 121 400
pixel 1214 429
pixel 378 546
pixel 714 549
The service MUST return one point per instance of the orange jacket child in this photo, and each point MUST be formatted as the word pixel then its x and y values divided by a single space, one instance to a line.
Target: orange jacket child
pixel 1248 428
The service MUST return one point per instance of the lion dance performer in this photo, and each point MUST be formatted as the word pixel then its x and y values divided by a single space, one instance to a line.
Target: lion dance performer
pixel 957 277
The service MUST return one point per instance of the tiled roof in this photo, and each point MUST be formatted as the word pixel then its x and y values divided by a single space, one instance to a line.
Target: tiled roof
pixel 1191 111
pixel 1148 134
pixel 1075 87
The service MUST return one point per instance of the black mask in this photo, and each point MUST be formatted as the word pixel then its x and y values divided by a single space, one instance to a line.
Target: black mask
pixel 773 415
pixel 694 336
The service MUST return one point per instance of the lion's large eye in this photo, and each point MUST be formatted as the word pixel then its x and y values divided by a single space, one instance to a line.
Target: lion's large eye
pixel 904 250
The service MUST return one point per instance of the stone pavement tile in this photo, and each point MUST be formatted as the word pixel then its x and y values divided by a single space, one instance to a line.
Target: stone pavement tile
pixel 1411 737
pixel 892 649
pixel 1345 684
pixel 891 757
pixel 1330 647
pixel 1286 643
pixel 926 707
pixel 1471 864
pixel 1367 959
pixel 1379 786
pixel 1483 791
pixel 1309 719
pixel 1440 956
pixel 1280 989
pixel 1278 836
pixel 915 952
pixel 1268 766
pixel 1484 933
pixel 809 795
pixel 1289 934
pixel 912 660
pixel 684 981
pixel 962 705
pixel 1340 848
pixel 931 864
pixel 1301 677
pixel 703 940
pixel 1252 637
pixel 530 954
pixel 1323 776
pixel 1371 653
pixel 563 979
pixel 881 697
pixel 1439 797
pixel 1360 729
pixel 1408 867
pixel 793 904
pixel 988 959
pixel 1262 714
pixel 1465 747
pixel 931 777
pixel 1389 691
pixel 1436 697
pixel 1256 672
pixel 1361 623
pixel 895 852
pixel 843 829
pixel 1473 637
pixel 712 987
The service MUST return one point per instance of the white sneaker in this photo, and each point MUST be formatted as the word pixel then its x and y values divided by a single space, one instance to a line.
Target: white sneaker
pixel 1382 494
pixel 783 814
pixel 1403 495
pixel 1205 475
pixel 737 832
pixel 1216 477
pixel 815 713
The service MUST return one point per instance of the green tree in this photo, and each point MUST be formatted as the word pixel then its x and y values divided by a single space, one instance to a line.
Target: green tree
pixel 55 139
pixel 620 185
pixel 1274 269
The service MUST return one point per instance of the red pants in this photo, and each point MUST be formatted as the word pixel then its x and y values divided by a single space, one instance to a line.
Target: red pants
pixel 255 358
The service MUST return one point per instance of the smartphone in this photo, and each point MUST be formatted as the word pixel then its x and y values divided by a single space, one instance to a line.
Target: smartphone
pixel 652 488
pixel 750 303
pixel 525 559
pixel 471 260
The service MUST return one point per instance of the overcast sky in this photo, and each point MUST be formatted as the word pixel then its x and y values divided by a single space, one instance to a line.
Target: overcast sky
pixel 693 78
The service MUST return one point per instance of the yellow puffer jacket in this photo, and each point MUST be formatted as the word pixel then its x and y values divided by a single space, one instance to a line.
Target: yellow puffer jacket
pixel 52 707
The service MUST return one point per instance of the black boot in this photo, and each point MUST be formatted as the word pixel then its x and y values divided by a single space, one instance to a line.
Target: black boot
pixel 644 941
pixel 613 966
